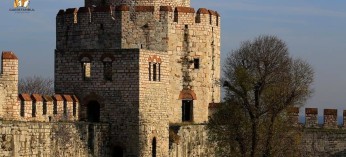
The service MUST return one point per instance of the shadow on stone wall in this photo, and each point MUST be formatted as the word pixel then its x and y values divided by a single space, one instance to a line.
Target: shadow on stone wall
pixel 60 139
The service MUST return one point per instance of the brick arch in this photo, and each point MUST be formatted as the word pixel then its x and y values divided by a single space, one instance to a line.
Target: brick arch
pixel 187 94
pixel 155 59
pixel 87 55
pixel 93 97
pixel 107 55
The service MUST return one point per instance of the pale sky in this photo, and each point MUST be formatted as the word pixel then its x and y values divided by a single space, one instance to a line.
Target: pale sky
pixel 313 30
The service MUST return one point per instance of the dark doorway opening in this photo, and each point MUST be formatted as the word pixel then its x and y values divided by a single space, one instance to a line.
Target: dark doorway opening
pixel 93 111
pixel 187 108
pixel 118 152
pixel 153 147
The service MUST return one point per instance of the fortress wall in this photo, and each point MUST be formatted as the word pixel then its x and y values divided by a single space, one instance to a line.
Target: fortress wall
pixel 46 108
pixel 53 139
pixel 138 2
pixel 311 118
pixel 153 102
pixel 9 86
pixel 177 31
pixel 190 140
pixel 87 28
pixel 323 142
pixel 118 99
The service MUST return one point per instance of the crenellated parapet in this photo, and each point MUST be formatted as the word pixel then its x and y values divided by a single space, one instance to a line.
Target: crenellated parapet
pixel 185 3
pixel 330 117
pixel 125 26
pixel 44 108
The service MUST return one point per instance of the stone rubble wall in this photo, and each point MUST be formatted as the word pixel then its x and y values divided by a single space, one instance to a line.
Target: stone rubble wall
pixel 53 139
pixel 323 142
pixel 190 140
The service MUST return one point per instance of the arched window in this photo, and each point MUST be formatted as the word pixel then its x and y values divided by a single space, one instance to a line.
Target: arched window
pixel 107 69
pixel 153 147
pixel 154 68
pixel 86 68
pixel 154 72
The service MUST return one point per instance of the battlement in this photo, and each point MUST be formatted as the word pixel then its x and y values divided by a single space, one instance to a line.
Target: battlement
pixel 123 26
pixel 185 3
pixel 93 14
pixel 330 117
pixel 44 108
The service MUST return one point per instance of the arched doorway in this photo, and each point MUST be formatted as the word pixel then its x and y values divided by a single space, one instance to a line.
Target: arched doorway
pixel 118 152
pixel 153 147
pixel 93 111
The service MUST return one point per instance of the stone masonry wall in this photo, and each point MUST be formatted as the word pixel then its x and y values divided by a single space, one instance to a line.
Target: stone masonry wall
pixel 153 108
pixel 135 106
pixel 324 140
pixel 9 107
pixel 196 36
pixel 189 140
pixel 53 139
pixel 118 98
pixel 178 31
pixel 185 3
pixel 44 108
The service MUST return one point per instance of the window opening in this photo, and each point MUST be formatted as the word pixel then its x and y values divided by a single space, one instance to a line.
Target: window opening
pixel 196 63
pixel 159 72
pixel 187 108
pixel 154 72
pixel 153 147
pixel 107 70
pixel 149 71
pixel 86 70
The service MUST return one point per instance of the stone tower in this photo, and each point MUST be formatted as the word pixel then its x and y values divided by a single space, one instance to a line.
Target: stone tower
pixel 139 65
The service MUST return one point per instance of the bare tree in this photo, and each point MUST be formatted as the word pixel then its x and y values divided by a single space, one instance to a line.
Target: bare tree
pixel 262 82
pixel 36 85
